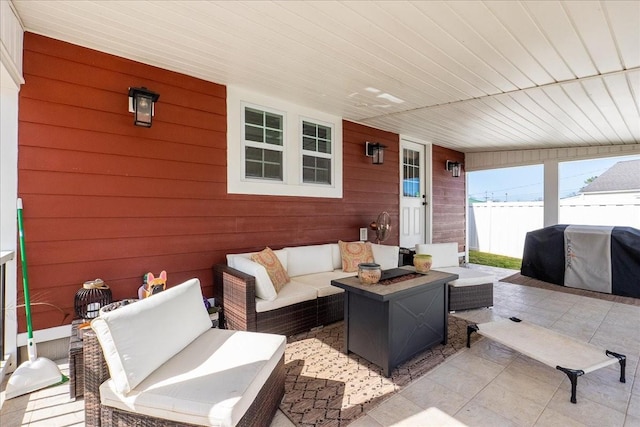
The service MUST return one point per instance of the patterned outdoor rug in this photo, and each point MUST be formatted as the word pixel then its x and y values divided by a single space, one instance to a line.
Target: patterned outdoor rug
pixel 325 387
pixel 519 279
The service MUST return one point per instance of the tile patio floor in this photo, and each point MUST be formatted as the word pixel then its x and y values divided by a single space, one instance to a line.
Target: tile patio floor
pixel 487 385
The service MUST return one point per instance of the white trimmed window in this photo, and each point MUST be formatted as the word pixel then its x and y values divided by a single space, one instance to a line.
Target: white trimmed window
pixel 317 152
pixel 263 136
pixel 278 148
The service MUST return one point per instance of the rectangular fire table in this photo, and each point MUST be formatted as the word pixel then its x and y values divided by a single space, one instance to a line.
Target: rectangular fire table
pixel 387 324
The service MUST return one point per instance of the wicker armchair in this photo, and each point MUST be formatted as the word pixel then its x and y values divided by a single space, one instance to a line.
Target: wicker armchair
pixel 262 409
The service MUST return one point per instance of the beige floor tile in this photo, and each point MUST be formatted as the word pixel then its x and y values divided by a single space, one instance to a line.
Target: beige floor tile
pixel 515 381
pixel 614 395
pixel 67 419
pixel 631 421
pixel 634 405
pixel 365 421
pixel 505 402
pixel 539 371
pixel 477 365
pixel 551 418
pixel 475 415
pixel 427 393
pixel 281 420
pixel 458 380
pixel 394 410
pixel 586 411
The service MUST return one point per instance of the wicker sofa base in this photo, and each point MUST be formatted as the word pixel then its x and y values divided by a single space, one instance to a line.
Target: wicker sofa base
pixel 260 413
pixel 236 291
pixel 470 297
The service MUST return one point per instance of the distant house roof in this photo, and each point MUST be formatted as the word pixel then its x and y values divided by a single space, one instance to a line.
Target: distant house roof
pixel 623 176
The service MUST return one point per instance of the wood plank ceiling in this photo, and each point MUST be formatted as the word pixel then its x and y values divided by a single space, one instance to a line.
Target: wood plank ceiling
pixel 468 75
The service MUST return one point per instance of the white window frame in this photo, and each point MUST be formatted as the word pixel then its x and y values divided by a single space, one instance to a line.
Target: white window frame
pixel 292 184
pixel 318 154
pixel 263 145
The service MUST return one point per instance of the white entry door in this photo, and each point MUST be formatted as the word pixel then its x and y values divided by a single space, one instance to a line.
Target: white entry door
pixel 414 199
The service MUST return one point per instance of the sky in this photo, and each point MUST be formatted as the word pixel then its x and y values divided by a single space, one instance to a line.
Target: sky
pixel 526 183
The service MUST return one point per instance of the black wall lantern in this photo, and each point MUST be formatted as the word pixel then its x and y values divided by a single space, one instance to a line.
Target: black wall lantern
pixel 375 150
pixel 454 168
pixel 141 104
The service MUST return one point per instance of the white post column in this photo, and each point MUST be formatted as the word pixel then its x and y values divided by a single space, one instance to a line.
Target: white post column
pixel 551 193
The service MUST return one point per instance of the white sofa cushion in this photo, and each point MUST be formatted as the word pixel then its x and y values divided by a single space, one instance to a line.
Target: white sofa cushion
pixel 280 253
pixel 291 293
pixel 322 282
pixel 264 285
pixel 385 255
pixel 213 381
pixel 134 337
pixel 467 276
pixel 442 254
pixel 302 260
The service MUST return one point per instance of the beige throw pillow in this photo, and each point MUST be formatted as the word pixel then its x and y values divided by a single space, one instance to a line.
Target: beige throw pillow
pixel 354 253
pixel 272 264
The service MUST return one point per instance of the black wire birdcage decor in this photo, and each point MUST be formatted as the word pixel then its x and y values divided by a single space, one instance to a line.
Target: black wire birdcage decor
pixel 90 298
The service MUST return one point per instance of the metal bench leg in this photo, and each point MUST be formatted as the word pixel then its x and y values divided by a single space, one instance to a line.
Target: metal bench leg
pixel 622 359
pixel 573 375
pixel 471 329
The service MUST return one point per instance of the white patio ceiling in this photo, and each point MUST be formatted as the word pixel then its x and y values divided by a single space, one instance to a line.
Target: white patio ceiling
pixel 469 75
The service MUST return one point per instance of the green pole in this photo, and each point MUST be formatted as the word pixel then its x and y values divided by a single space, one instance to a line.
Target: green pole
pixel 25 275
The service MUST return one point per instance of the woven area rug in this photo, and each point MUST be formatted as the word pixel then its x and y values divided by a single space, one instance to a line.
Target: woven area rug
pixel 325 387
pixel 519 279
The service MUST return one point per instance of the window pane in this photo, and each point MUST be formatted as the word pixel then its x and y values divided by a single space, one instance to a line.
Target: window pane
pixel 273 121
pixel 252 133
pixel 308 144
pixel 308 129
pixel 273 171
pixel 253 116
pixel 324 146
pixel 274 137
pixel 324 132
pixel 253 169
pixel 411 173
pixel 316 170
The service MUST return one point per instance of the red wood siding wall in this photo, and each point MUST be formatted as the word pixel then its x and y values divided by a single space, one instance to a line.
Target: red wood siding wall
pixel 104 198
pixel 449 215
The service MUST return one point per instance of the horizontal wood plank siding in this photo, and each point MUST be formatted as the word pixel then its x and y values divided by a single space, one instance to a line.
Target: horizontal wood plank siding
pixel 449 213
pixel 104 198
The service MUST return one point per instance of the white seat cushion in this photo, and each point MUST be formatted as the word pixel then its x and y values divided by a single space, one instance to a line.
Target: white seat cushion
pixel 291 293
pixel 322 282
pixel 467 276
pixel 134 337
pixel 310 259
pixel 213 381
pixel 442 254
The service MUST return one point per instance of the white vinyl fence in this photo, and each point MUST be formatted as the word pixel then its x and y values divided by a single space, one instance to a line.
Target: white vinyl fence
pixel 500 228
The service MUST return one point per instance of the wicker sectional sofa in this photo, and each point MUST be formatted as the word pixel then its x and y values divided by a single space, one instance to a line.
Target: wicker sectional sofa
pixel 159 362
pixel 307 301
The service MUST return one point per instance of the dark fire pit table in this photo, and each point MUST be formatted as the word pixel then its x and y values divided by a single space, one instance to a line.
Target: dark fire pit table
pixel 390 322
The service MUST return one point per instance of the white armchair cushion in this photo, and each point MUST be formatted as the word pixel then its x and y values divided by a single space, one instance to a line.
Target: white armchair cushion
pixel 134 337
pixel 280 253
pixel 264 285
pixel 442 254
pixel 311 259
pixel 385 255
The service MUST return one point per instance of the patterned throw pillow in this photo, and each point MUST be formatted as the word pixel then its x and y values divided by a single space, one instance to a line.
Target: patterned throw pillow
pixel 275 270
pixel 354 253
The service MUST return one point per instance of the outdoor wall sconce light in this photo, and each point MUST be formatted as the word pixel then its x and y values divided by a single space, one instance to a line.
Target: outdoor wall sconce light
pixel 375 150
pixel 454 167
pixel 141 104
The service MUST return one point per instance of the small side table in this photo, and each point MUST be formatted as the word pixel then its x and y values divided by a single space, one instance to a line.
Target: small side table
pixel 76 362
